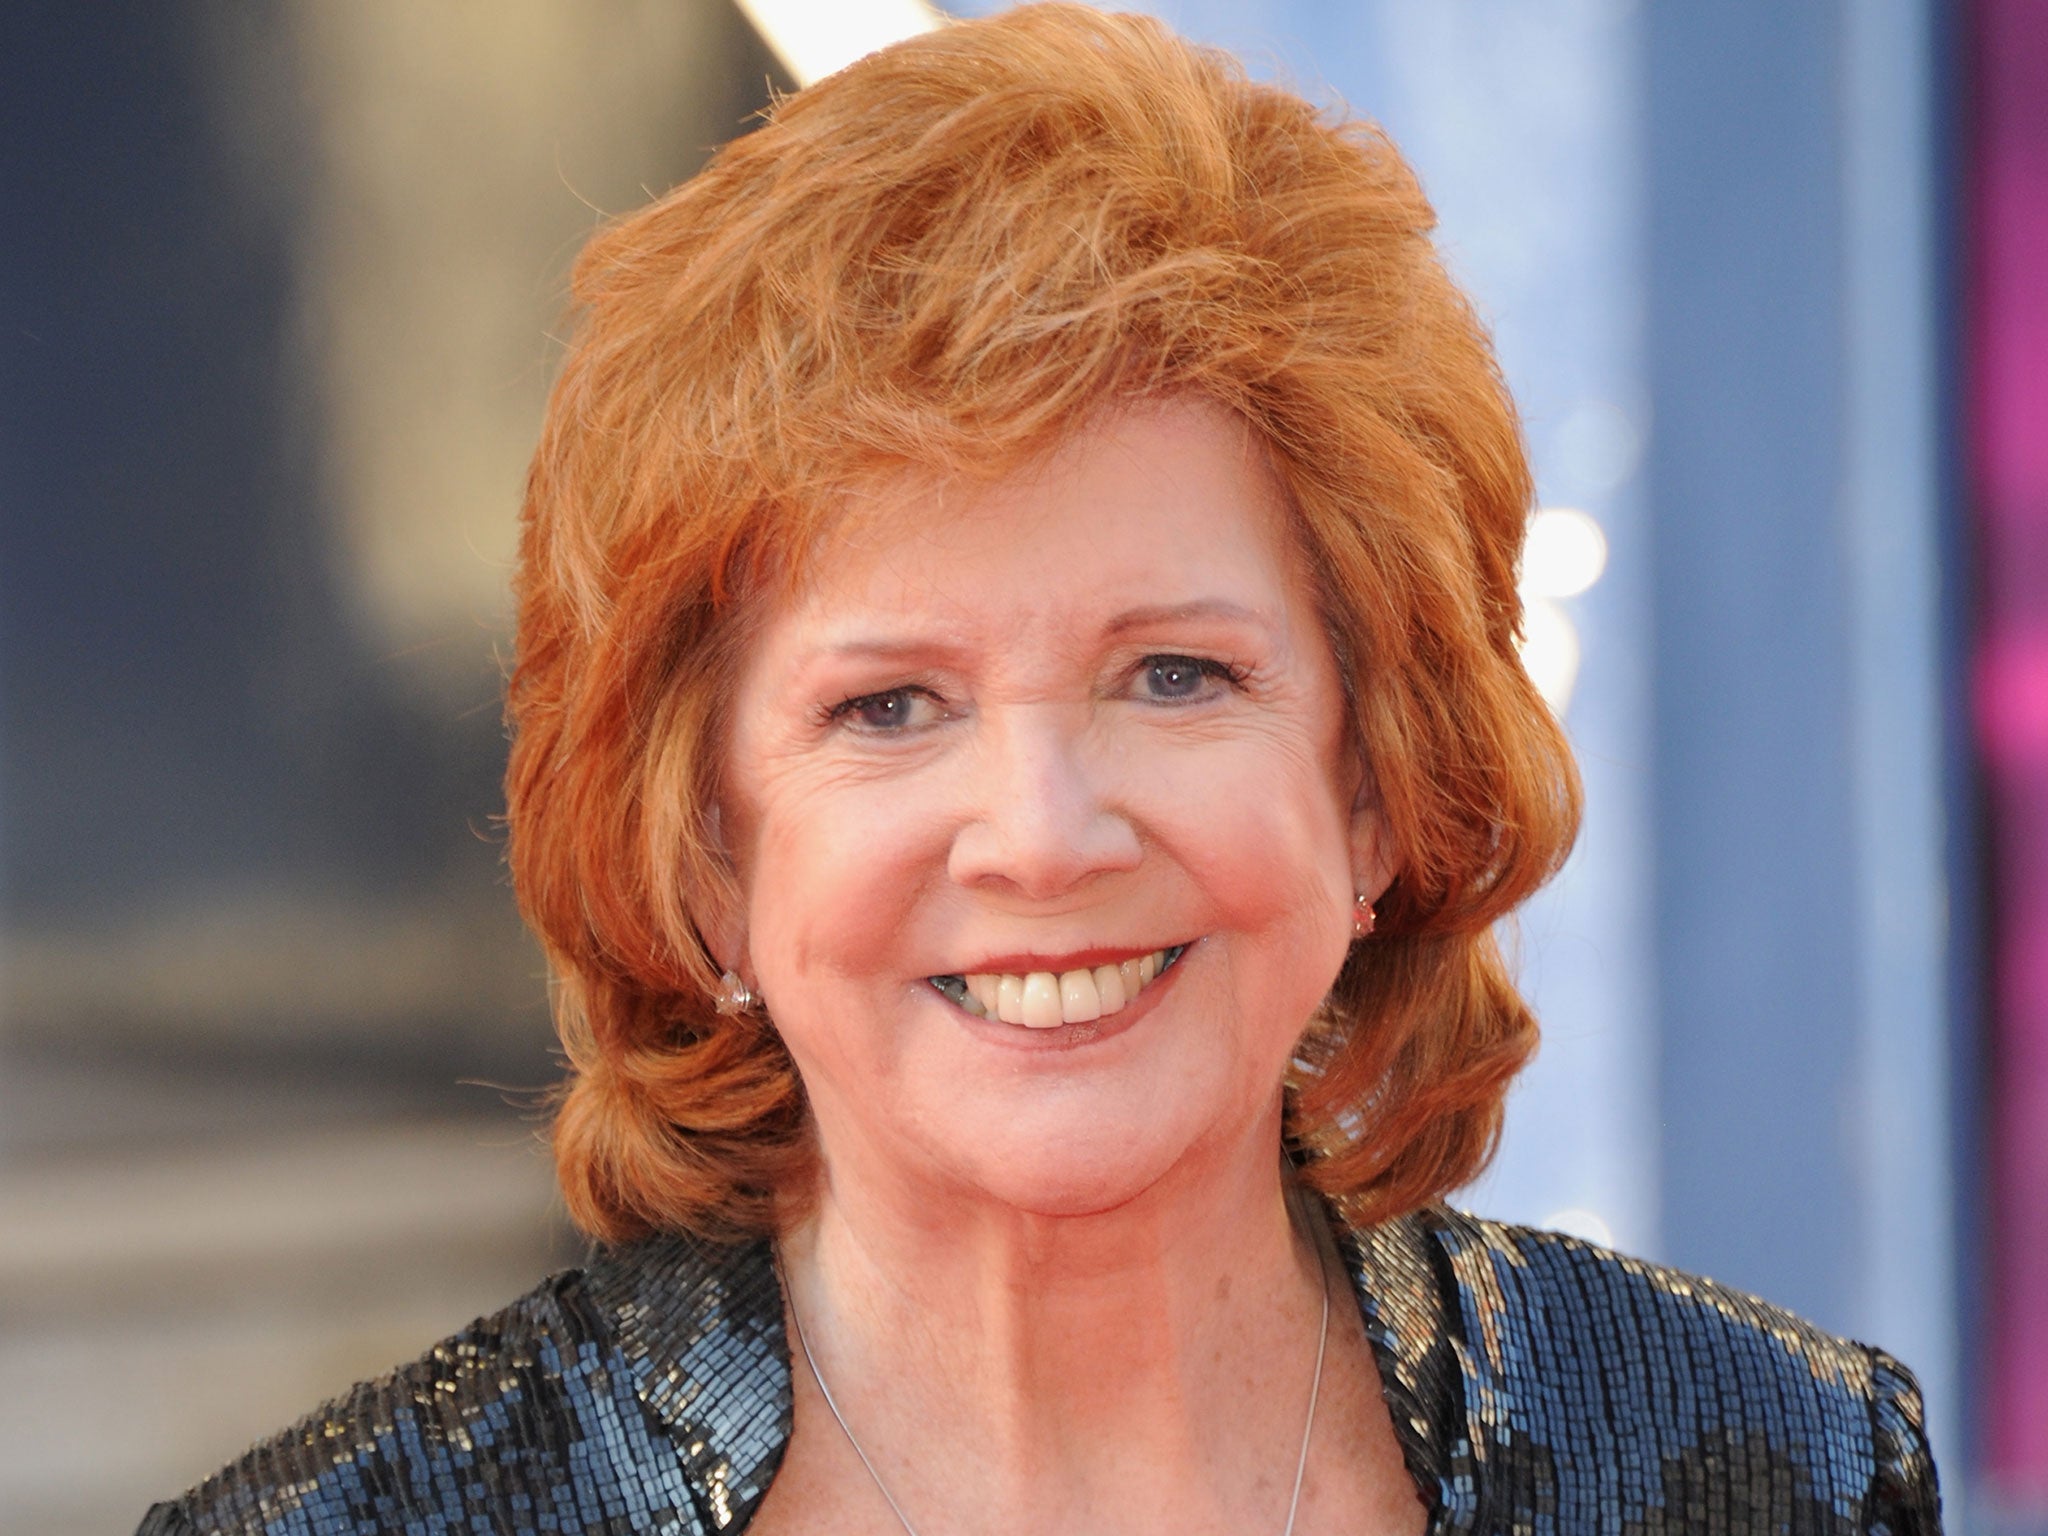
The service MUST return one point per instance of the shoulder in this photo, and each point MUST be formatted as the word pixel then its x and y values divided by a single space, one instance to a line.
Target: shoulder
pixel 1604 1384
pixel 607 1398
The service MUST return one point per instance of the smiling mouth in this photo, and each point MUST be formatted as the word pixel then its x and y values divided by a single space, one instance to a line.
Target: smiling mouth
pixel 1048 999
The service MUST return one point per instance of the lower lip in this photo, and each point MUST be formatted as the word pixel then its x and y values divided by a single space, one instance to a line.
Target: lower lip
pixel 1068 1037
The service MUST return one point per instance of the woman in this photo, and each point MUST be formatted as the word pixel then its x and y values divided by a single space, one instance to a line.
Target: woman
pixel 1019 751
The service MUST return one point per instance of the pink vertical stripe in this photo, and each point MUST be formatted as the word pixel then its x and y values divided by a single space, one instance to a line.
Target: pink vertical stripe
pixel 2008 318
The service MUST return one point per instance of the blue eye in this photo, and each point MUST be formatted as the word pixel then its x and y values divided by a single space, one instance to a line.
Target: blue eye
pixel 886 712
pixel 1177 678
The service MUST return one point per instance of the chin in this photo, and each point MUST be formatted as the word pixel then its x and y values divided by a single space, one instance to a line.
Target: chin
pixel 1080 1171
pixel 1066 1193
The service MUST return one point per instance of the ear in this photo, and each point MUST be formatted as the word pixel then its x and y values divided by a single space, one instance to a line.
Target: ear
pixel 720 911
pixel 1374 859
pixel 724 939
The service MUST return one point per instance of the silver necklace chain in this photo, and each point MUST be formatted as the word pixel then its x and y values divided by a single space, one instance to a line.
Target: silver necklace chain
pixel 1315 1393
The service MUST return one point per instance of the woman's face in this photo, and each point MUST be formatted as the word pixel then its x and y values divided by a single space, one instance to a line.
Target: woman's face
pixel 1011 748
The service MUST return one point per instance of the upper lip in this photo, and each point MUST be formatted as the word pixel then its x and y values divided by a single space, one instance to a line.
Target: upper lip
pixel 1021 963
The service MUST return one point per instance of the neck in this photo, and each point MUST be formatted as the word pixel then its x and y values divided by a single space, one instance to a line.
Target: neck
pixel 1062 1351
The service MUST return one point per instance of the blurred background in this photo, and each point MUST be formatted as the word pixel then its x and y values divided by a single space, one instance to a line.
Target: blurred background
pixel 1770 281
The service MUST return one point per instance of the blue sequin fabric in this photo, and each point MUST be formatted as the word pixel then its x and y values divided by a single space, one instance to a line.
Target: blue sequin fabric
pixel 1537 1384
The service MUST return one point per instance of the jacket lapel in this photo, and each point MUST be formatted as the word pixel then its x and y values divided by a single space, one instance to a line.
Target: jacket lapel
pixel 700 1327
pixel 1396 1271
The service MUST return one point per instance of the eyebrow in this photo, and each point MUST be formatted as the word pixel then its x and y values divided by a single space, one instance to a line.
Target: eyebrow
pixel 1180 613
pixel 1149 616
pixel 865 647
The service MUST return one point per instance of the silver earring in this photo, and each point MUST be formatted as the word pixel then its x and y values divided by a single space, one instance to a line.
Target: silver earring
pixel 1362 917
pixel 733 995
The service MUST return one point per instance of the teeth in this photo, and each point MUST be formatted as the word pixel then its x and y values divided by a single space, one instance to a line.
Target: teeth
pixel 957 989
pixel 1109 988
pixel 1010 999
pixel 1133 976
pixel 1043 1000
pixel 1080 1002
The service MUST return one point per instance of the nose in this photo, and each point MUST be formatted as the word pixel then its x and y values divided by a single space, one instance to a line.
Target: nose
pixel 1040 822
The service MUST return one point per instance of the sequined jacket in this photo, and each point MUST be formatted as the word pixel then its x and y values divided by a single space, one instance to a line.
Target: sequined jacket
pixel 1537 1384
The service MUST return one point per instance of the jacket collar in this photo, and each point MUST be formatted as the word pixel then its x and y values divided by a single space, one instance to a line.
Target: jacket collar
pixel 700 1327
pixel 1401 1274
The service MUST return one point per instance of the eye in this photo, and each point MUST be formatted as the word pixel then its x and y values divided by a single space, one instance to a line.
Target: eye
pixel 1177 679
pixel 888 712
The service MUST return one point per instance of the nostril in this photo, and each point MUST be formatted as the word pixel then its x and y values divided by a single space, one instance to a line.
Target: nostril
pixel 1043 859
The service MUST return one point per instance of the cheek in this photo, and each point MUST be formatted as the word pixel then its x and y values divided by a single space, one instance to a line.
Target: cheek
pixel 1264 829
pixel 832 875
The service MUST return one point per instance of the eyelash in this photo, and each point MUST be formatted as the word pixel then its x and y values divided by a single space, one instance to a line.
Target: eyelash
pixel 836 713
pixel 1222 671
pixel 1228 673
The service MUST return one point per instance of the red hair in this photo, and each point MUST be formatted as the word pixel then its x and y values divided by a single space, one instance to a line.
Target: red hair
pixel 942 259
